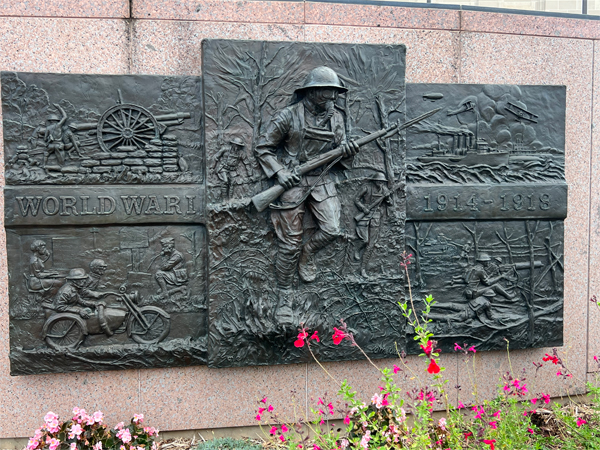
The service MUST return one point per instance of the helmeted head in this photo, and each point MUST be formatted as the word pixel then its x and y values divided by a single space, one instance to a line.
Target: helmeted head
pixel 237 142
pixel 53 118
pixel 98 266
pixel 378 176
pixel 322 86
pixel 77 277
pixel 484 258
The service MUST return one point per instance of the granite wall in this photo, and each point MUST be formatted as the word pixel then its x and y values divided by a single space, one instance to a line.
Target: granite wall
pixel 443 46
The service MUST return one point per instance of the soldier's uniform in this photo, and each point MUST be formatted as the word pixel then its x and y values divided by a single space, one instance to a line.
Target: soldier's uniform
pixel 301 133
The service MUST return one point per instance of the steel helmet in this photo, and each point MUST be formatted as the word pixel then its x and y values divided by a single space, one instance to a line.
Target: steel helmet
pixel 484 257
pixel 322 77
pixel 53 118
pixel 76 274
pixel 236 140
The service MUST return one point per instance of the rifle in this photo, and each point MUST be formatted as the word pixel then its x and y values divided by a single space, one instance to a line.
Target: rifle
pixel 263 199
pixel 378 202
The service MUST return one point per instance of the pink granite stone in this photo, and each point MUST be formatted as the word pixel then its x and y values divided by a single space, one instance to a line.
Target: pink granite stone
pixel 366 380
pixel 381 16
pixel 173 47
pixel 594 269
pixel 431 56
pixel 529 25
pixel 65 8
pixel 199 397
pixel 63 45
pixel 487 58
pixel 220 10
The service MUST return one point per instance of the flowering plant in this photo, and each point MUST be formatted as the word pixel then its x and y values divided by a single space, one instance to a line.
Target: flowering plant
pixel 88 432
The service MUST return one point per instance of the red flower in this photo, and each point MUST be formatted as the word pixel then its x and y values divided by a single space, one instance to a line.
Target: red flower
pixel 433 367
pixel 338 336
pixel 428 348
pixel 303 334
pixel 314 336
pixel 299 343
pixel 552 358
pixel 490 442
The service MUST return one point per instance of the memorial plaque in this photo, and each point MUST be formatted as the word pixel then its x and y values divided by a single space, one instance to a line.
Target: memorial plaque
pixel 486 202
pixel 158 221
pixel 329 248
pixel 104 215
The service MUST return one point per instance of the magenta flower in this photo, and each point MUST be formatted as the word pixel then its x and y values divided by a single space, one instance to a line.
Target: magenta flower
pixel 534 400
pixel 457 347
pixel 580 422
pixel 53 444
pixel 257 417
pixel 396 369
pixel 338 336
pixel 494 425
pixel 282 438
pixel 347 420
pixel 284 429
pixel 530 430
pixel 261 410
pixel 273 431
pixel 270 408
pixel 497 414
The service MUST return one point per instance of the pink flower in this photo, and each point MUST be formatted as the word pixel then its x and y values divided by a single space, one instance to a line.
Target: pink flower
pixel 530 430
pixel 124 435
pixel 442 423
pixel 396 369
pixel 534 400
pixel 257 417
pixel 282 438
pixel 284 429
pixel 119 426
pixel 270 408
pixel 75 430
pixel 32 444
pixel 347 420
pixel 497 414
pixel 580 422
pixel 338 336
pixel 494 425
pixel 73 446
pixel 53 444
pixel 457 347
pixel 273 431
pixel 315 337
pixel 98 446
pixel 138 418
pixel 50 417
pixel 98 416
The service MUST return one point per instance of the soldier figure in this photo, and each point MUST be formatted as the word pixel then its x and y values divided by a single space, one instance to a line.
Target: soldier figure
pixel 69 297
pixel 309 127
pixel 40 280
pixel 227 166
pixel 368 201
pixel 172 270
pixel 54 138
pixel 480 283
pixel 90 287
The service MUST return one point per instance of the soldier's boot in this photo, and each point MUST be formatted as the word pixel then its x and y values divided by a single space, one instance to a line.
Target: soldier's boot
pixel 284 314
pixel 307 267
pixel 365 260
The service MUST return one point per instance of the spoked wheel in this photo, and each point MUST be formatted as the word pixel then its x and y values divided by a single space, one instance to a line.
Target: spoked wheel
pixel 156 328
pixel 126 125
pixel 64 331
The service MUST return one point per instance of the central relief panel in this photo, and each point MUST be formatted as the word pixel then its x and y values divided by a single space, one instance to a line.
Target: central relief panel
pixel 327 247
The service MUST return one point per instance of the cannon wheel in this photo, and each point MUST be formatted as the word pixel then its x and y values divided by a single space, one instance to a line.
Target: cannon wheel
pixel 64 331
pixel 126 125
pixel 159 325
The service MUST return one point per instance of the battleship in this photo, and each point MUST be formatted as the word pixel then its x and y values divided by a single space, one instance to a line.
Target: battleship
pixel 466 154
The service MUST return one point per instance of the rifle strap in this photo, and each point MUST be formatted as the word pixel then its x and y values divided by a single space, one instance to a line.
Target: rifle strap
pixel 310 189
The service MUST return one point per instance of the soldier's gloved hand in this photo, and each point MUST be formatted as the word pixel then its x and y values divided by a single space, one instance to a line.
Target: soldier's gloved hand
pixel 350 149
pixel 287 179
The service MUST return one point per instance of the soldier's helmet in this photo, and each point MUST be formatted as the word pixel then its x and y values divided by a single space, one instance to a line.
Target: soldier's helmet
pixel 322 77
pixel 378 176
pixel 76 274
pixel 483 257
pixel 236 140
pixel 53 118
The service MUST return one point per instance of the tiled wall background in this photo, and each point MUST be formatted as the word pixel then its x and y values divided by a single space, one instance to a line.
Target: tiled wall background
pixel 443 46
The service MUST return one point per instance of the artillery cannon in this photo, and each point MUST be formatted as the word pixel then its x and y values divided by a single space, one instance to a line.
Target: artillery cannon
pixel 126 124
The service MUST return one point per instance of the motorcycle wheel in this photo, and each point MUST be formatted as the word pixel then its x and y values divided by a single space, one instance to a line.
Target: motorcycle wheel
pixel 159 325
